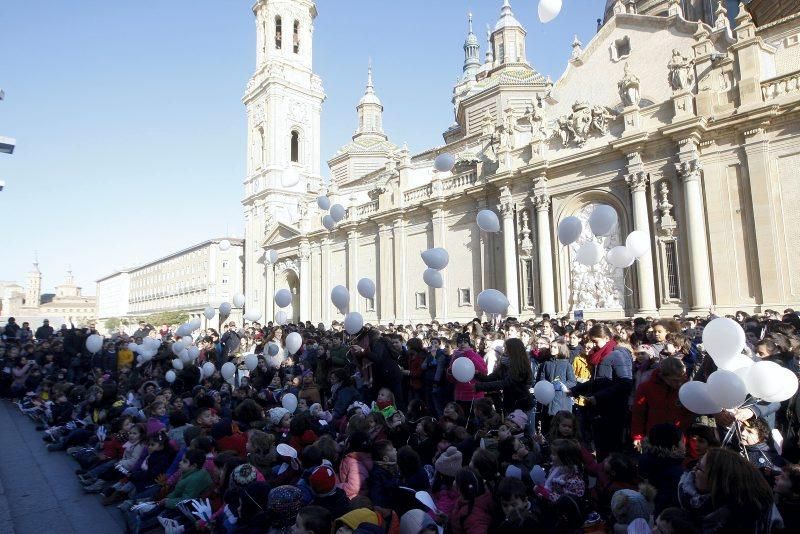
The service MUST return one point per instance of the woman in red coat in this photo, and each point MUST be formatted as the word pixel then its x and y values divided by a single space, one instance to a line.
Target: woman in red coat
pixel 465 392
pixel 657 402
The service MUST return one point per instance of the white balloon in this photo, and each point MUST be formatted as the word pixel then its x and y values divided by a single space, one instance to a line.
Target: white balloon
pixel 289 401
pixel 273 349
pixel 252 315
pixel 340 297
pixel 177 364
pixel 193 353
pixel 463 369
pixel 602 219
pixel 328 223
pixel 569 230
pixel 353 323
pixel 324 203
pixel 764 379
pixel 337 212
pixel 185 357
pixel 281 318
pixel 620 257
pixel 293 342
pixel 544 392
pixel 170 376
pixel 548 10
pixel 177 348
pixel 225 309
pixel 183 330
pixel 224 244
pixel 366 288
pixel 209 313
pixel 740 361
pixel 726 388
pixel 444 162
pixel 271 256
pixel 251 361
pixel 435 258
pixel 432 278
pixel 786 389
pixel 493 301
pixel 695 397
pixel 723 339
pixel 538 475
pixel 228 370
pixel 195 323
pixel 638 243
pixel 238 300
pixel 487 221
pixel 283 297
pixel 589 253
pixel 94 343
pixel 208 369
pixel 290 176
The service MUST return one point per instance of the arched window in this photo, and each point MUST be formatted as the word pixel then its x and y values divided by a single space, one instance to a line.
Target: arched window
pixel 278 33
pixel 295 147
pixel 296 37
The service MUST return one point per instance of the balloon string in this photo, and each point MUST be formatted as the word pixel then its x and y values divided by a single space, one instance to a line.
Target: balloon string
pixel 625 274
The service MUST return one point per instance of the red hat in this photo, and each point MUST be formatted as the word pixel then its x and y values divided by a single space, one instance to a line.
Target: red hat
pixel 322 480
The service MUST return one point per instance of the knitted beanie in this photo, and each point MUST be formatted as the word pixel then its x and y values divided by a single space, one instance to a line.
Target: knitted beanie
pixel 415 521
pixel 283 504
pixel 449 462
pixel 244 474
pixel 519 418
pixel 628 505
pixel 276 414
pixel 322 480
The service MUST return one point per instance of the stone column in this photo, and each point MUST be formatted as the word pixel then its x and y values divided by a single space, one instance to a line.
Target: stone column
pixel 269 292
pixel 400 297
pixel 305 281
pixel 439 229
pixel 646 303
pixel 326 281
pixel 541 202
pixel 510 258
pixel 352 269
pixel 695 224
pixel 384 304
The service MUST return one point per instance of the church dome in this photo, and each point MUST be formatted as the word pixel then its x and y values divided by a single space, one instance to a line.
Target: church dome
pixel 370 98
pixel 507 18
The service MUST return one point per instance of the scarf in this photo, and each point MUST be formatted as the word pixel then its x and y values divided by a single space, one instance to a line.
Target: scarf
pixel 598 355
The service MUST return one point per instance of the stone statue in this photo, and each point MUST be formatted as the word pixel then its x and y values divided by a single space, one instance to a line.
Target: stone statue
pixel 681 72
pixel 583 121
pixel 629 88
pixel 487 125
pixel 507 132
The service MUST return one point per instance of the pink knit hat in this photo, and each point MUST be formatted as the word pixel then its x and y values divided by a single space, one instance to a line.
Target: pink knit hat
pixel 519 418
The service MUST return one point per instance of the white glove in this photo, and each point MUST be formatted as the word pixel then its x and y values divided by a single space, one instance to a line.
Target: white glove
pixel 143 507
pixel 202 509
pixel 70 426
pixel 101 433
pixel 171 526
pixel 229 515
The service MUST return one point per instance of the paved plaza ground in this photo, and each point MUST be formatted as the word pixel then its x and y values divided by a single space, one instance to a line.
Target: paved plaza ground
pixel 39 491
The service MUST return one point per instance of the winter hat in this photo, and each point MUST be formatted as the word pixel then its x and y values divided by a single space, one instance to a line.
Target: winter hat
pixel 153 427
pixel 244 474
pixel 628 505
pixel 449 462
pixel 414 521
pixel 519 418
pixel 283 504
pixel 276 414
pixel 512 471
pixel 639 526
pixel 355 517
pixel 322 480
pixel 649 349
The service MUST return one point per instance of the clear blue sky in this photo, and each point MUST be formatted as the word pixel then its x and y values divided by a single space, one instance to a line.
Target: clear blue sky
pixel 129 123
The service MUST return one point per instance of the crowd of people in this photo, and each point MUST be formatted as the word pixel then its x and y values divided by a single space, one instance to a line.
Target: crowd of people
pixel 372 433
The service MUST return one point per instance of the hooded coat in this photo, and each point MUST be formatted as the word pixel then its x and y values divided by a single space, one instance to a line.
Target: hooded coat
pixel 657 403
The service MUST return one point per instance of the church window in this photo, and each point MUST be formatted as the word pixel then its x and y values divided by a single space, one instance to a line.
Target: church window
pixel 295 147
pixel 278 33
pixel 296 37
pixel 501 52
pixel 464 297
pixel 421 299
pixel 622 48
pixel 672 269
pixel 225 280
pixel 224 264
pixel 528 270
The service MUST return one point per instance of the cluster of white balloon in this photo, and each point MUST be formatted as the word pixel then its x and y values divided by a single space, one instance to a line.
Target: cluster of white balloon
pixel 736 374
pixel 335 214
pixel 602 221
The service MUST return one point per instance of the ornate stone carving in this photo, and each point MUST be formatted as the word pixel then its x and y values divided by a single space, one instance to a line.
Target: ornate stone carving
pixel 533 121
pixel 541 202
pixel 258 114
pixel 376 192
pixel 577 48
pixel 582 122
pixel 297 112
pixel 667 224
pixel 637 181
pixel 629 88
pixel 487 124
pixel 525 243
pixel 507 129
pixel 506 205
pixel 302 210
pixel 601 286
pixel 288 264
pixel 689 170
pixel 305 251
pixel 269 221
pixel 681 72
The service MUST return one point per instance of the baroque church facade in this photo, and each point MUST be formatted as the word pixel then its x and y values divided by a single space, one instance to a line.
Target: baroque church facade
pixel 695 141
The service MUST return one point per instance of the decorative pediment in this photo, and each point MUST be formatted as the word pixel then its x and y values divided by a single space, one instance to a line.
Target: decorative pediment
pixel 278 233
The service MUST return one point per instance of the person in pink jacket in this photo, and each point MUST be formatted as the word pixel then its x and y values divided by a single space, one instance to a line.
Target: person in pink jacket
pixel 356 466
pixel 465 392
